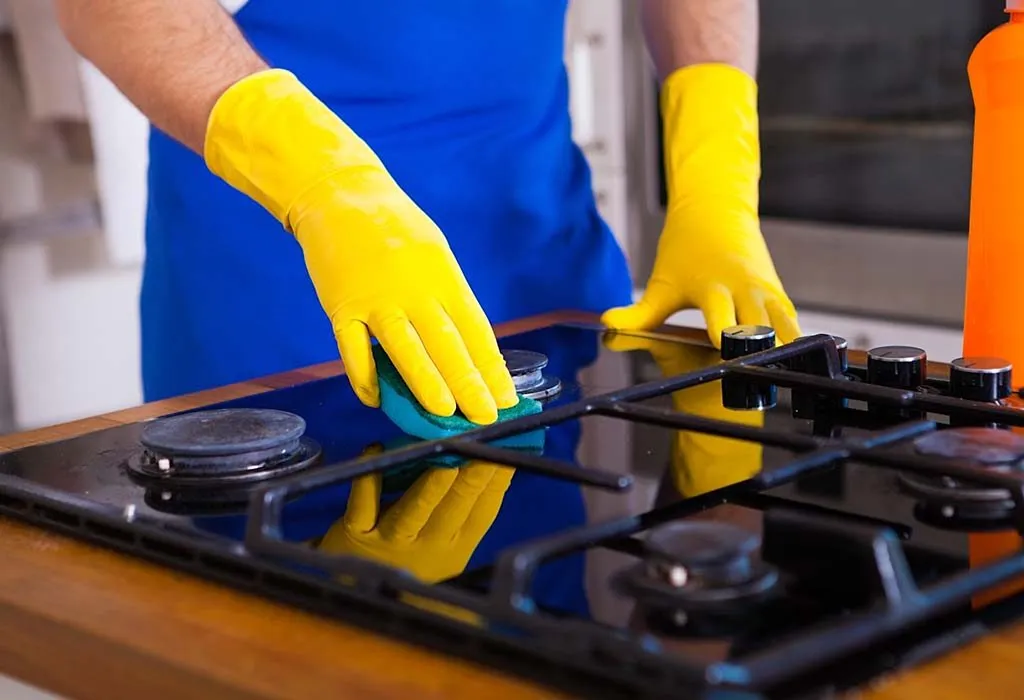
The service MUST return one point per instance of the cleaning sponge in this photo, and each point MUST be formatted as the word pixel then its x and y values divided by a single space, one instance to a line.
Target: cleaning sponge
pixel 400 405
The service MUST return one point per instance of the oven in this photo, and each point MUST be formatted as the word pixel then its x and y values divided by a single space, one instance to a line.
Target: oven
pixel 866 123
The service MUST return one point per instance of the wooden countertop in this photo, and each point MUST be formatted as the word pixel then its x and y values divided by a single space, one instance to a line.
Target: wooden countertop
pixel 89 623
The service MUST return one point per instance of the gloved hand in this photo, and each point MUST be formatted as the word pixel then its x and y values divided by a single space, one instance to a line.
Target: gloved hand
pixel 432 530
pixel 379 264
pixel 711 254
pixel 700 462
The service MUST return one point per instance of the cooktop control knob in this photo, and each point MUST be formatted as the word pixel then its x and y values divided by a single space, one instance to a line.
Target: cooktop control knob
pixel 898 366
pixel 980 378
pixel 841 347
pixel 814 363
pixel 738 341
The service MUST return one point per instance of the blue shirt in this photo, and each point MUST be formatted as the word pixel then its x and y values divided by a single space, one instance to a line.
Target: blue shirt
pixel 465 102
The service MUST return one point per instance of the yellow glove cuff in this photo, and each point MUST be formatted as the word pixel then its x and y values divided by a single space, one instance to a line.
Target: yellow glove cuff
pixel 711 134
pixel 269 137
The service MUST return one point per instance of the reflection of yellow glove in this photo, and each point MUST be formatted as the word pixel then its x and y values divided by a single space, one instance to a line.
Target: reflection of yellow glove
pixel 711 254
pixel 700 462
pixel 432 530
pixel 378 263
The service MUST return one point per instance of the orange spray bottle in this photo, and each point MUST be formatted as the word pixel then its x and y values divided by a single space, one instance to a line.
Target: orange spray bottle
pixel 993 319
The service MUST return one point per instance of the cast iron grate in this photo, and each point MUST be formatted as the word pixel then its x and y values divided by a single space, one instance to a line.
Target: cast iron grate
pixel 570 652
pixel 509 601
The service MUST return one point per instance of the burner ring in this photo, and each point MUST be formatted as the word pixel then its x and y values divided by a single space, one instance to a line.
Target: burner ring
pixel 695 595
pixel 700 566
pixel 952 504
pixel 151 468
pixel 548 387
pixel 958 518
pixel 527 370
pixel 947 490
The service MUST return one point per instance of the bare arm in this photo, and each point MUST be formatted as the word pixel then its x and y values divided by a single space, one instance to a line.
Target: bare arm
pixel 171 58
pixel 686 32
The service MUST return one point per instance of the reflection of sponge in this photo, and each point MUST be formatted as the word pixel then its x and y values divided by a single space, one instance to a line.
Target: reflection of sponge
pixel 401 406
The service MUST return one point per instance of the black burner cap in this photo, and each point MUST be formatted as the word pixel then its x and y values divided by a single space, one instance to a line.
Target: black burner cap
pixel 982 445
pixel 698 544
pixel 225 431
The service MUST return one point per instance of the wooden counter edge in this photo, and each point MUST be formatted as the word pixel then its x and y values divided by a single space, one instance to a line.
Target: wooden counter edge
pixel 88 623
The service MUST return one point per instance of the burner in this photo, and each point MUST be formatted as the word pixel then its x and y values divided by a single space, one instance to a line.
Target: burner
pixel 982 445
pixel 230 445
pixel 701 567
pixel 527 370
pixel 957 504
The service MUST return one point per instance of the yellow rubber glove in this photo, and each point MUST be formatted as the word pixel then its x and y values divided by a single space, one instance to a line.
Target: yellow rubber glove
pixel 432 530
pixel 700 462
pixel 379 264
pixel 711 254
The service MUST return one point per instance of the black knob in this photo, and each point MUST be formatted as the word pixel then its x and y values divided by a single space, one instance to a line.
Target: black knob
pixel 814 362
pixel 898 366
pixel 980 378
pixel 738 341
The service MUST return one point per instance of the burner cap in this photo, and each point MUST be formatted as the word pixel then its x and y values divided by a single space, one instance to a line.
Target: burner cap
pixel 527 370
pixel 961 504
pixel 217 446
pixel 701 545
pixel 522 362
pixel 700 566
pixel 220 432
pixel 982 445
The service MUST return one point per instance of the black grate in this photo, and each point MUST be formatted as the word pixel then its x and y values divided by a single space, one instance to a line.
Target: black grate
pixel 509 599
pixel 564 651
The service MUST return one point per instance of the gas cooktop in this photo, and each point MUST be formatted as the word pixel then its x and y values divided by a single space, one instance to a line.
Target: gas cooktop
pixel 760 521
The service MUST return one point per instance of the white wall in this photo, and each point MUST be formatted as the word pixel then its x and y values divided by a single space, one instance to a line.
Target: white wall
pixel 69 295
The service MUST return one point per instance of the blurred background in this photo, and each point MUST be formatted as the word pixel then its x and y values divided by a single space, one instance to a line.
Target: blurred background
pixel 866 138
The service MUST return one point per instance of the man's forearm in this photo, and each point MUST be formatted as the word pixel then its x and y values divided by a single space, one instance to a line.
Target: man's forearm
pixel 171 58
pixel 687 32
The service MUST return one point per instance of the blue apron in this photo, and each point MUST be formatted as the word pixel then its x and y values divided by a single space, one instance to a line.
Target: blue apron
pixel 466 103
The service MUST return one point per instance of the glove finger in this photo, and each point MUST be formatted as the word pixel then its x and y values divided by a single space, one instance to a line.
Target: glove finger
pixel 448 351
pixel 354 345
pixel 363 504
pixel 405 519
pixel 784 320
pixel 719 312
pixel 750 309
pixel 483 349
pixel 488 505
pixel 623 342
pixel 448 518
pixel 406 350
pixel 657 304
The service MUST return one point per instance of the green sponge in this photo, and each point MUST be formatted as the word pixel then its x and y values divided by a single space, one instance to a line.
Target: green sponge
pixel 400 405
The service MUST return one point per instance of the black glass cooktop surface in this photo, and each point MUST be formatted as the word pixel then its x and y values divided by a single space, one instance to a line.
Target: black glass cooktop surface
pixel 670 523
